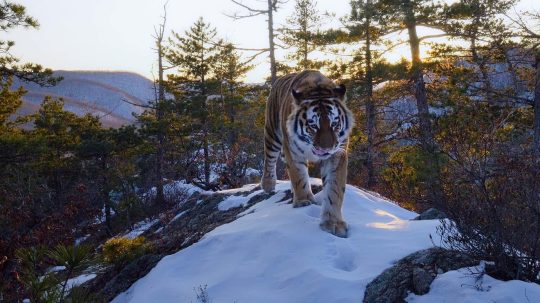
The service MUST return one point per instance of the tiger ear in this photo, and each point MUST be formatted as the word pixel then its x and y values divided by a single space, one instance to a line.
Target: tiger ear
pixel 297 96
pixel 340 91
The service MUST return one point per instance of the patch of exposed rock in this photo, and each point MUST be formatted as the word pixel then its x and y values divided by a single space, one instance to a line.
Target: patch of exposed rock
pixel 431 214
pixel 414 273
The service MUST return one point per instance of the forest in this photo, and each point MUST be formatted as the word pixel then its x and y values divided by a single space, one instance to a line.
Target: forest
pixel 456 128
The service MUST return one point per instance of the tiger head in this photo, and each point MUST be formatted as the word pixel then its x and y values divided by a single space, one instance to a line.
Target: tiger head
pixel 320 123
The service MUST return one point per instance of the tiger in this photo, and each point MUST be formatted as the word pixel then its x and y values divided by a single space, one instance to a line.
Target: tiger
pixel 306 120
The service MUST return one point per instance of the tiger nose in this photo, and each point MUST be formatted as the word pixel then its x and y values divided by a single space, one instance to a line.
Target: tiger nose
pixel 326 140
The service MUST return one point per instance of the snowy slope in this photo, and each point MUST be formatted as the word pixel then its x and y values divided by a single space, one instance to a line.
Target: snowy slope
pixel 276 253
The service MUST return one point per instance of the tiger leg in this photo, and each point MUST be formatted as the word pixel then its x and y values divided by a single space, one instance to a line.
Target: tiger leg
pixel 298 173
pixel 272 148
pixel 334 176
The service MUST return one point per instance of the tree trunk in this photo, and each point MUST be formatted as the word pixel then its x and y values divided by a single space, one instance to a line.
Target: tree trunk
pixel 427 142
pixel 105 194
pixel 280 167
pixel 206 156
pixel 160 198
pixel 370 106
pixel 305 46
pixel 419 84
pixel 273 69
pixel 233 132
pixel 536 144
pixel 206 146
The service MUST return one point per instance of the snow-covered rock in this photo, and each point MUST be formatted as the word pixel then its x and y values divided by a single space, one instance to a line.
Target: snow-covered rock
pixel 177 189
pixel 76 281
pixel 140 228
pixel 276 253
pixel 236 201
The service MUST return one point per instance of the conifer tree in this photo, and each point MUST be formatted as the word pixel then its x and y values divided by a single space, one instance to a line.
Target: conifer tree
pixel 229 71
pixel 13 15
pixel 480 24
pixel 362 27
pixel 302 32
pixel 409 15
pixel 365 32
pixel 194 54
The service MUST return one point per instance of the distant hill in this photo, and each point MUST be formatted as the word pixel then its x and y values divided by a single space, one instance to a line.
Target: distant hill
pixel 101 93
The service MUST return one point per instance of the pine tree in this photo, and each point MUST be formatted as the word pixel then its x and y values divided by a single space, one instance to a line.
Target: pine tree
pixel 61 132
pixel 13 15
pixel 365 32
pixel 363 27
pixel 302 32
pixel 229 71
pixel 480 24
pixel 195 54
pixel 409 15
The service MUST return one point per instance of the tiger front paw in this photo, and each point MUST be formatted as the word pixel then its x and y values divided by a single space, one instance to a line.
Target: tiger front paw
pixel 268 184
pixel 301 203
pixel 337 228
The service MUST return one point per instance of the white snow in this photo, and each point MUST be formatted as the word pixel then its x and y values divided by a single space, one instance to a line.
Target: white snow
pixel 176 189
pixel 140 228
pixel 236 201
pixel 464 287
pixel 239 190
pixel 79 280
pixel 78 241
pixel 253 172
pixel 276 253
pixel 56 269
pixel 181 186
pixel 180 214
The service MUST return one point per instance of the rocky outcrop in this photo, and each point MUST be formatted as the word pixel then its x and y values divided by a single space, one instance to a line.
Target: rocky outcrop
pixel 431 214
pixel 414 273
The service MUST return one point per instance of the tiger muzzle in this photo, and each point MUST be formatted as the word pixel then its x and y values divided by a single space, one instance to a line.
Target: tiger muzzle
pixel 325 138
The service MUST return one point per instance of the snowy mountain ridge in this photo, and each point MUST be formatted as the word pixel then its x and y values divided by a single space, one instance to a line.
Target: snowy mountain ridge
pixel 112 96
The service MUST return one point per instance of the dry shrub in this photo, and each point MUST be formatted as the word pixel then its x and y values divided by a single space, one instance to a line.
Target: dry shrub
pixel 496 217
pixel 121 250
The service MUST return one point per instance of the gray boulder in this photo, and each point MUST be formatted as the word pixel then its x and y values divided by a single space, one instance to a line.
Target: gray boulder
pixel 431 214
pixel 414 273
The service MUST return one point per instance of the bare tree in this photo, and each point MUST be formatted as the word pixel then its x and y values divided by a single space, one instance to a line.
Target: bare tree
pixel 272 6
pixel 536 145
pixel 160 98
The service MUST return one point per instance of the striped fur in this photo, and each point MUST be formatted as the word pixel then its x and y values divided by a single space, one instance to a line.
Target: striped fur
pixel 307 120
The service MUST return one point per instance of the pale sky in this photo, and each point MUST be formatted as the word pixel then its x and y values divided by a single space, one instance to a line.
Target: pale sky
pixel 117 34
